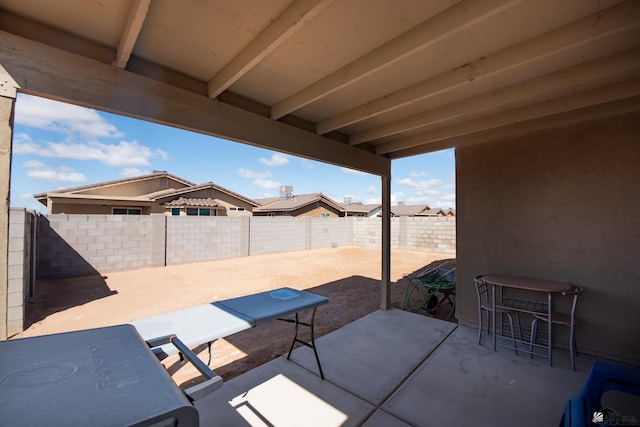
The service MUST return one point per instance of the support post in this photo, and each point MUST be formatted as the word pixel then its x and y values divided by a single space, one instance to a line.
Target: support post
pixel 385 297
pixel 7 104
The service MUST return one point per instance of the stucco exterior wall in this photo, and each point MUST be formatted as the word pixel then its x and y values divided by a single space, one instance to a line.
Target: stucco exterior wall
pixel 563 205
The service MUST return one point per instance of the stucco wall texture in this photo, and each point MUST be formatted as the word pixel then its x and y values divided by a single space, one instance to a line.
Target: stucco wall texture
pixel 563 205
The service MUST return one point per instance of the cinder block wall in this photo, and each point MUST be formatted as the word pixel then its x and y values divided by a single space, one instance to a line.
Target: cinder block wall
pixel 193 239
pixel 19 273
pixel 269 235
pixel 367 232
pixel 74 245
pixel 438 233
pixel 330 232
pixel 431 234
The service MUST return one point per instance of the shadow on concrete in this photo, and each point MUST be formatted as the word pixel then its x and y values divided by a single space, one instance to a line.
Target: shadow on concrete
pixel 349 299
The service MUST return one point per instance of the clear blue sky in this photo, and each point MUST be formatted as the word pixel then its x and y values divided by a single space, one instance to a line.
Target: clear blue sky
pixel 58 145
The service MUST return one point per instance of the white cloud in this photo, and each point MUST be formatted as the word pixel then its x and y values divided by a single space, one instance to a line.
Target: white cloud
pixel 432 192
pixel 122 154
pixel 396 197
pixel 27 196
pixel 352 171
pixel 276 160
pixel 421 186
pixel 307 164
pixel 248 173
pixel 266 183
pixel 162 154
pixel 419 174
pixel 33 164
pixel 129 172
pixel 372 189
pixel 39 170
pixel 57 116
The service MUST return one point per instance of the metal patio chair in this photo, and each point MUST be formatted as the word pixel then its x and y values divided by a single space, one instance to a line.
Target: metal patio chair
pixel 484 304
pixel 560 318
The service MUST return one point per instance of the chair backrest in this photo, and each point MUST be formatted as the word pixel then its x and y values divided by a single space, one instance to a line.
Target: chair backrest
pixel 577 290
pixel 482 290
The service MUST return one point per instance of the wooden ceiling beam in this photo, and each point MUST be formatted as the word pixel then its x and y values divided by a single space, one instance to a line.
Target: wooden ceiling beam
pixel 595 112
pixel 586 30
pixel 296 16
pixel 137 15
pixel 622 63
pixel 453 20
pixel 46 71
pixel 601 95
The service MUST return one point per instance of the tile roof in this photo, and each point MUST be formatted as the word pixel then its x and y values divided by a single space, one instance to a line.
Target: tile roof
pixel 431 212
pixel 193 201
pixel 408 210
pixel 266 200
pixel 164 194
pixel 296 202
pixel 360 207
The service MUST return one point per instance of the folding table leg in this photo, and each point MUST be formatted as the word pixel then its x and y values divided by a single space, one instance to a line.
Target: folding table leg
pixel 311 344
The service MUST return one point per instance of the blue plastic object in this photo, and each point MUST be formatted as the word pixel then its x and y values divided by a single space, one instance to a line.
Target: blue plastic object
pixel 586 409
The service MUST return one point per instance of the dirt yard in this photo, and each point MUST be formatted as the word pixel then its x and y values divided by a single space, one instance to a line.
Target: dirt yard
pixel 349 277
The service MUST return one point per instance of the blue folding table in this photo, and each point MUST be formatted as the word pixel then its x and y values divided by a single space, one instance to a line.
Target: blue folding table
pixel 208 322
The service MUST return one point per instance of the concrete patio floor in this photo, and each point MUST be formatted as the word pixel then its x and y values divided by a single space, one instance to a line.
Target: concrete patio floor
pixel 394 368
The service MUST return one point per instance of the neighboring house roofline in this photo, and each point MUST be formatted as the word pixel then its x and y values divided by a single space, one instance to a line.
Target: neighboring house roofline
pixel 408 210
pixel 117 181
pixel 162 195
pixel 302 200
pixel 97 197
pixel 359 207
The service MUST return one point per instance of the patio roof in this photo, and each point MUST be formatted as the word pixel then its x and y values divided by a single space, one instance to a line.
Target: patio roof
pixel 349 82
pixel 354 83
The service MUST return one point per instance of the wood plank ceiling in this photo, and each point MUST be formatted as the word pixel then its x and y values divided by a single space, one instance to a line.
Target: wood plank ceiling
pixel 390 77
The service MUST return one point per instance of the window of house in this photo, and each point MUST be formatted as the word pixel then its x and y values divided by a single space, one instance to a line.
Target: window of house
pixel 126 211
pixel 233 208
pixel 198 212
pixel 271 214
pixel 175 211
pixel 325 215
